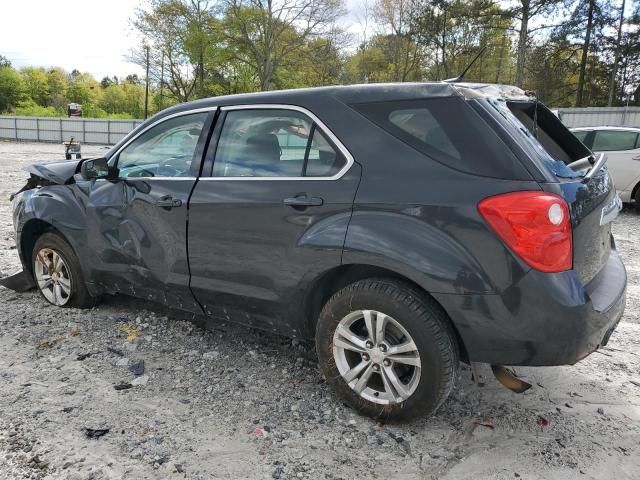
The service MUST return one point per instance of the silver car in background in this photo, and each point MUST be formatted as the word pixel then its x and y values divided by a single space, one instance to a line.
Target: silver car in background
pixel 622 146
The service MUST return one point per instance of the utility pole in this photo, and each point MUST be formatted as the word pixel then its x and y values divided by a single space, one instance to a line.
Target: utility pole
pixel 146 88
pixel 161 106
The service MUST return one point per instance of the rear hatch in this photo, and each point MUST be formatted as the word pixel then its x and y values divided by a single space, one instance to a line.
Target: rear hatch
pixel 562 165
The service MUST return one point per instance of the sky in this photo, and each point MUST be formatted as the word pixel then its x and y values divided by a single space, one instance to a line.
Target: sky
pixel 92 36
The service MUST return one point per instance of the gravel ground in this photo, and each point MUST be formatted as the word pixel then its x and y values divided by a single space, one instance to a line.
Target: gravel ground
pixel 231 402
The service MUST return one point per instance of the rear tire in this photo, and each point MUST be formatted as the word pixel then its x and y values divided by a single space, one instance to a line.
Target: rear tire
pixel 57 273
pixel 404 369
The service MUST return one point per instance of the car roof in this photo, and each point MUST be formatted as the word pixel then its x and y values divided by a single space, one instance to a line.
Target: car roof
pixel 607 127
pixel 360 93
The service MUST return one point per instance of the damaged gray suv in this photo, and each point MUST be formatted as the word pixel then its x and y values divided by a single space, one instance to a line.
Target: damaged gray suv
pixel 405 227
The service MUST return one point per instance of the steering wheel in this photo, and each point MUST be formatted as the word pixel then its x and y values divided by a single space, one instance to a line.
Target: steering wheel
pixel 172 167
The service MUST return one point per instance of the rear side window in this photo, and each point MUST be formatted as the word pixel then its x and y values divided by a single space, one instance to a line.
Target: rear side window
pixel 612 140
pixel 274 143
pixel 448 131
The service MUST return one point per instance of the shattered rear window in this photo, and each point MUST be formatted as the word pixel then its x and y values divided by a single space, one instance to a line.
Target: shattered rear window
pixel 525 133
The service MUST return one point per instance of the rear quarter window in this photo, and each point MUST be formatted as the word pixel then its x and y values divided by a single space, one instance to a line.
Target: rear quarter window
pixel 448 131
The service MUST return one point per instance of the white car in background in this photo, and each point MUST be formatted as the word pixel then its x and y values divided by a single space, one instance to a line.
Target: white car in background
pixel 622 146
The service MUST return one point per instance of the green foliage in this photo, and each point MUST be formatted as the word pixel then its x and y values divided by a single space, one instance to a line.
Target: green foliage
pixel 90 110
pixel 31 109
pixel 11 88
pixel 36 84
pixel 204 48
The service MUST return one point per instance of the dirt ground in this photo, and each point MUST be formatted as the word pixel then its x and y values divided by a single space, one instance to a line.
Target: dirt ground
pixel 232 402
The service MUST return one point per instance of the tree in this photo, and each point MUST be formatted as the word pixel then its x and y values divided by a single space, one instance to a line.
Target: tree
pixel 4 61
pixel 83 89
pixel 58 83
pixel 11 88
pixel 36 84
pixel 451 32
pixel 183 36
pixel 586 27
pixel 397 18
pixel 106 81
pixel 525 13
pixel 133 79
pixel 114 99
pixel 266 34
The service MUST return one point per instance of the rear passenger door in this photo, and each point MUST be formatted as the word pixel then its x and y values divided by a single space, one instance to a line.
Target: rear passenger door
pixel 269 213
pixel 623 150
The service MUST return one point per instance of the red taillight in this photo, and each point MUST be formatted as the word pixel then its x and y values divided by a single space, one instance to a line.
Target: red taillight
pixel 535 225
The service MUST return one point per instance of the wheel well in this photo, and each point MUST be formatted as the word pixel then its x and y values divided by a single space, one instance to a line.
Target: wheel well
pixel 634 193
pixel 336 279
pixel 29 235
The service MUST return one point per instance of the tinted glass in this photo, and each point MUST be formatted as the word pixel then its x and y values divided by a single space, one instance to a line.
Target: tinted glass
pixel 448 131
pixel 273 143
pixel 323 160
pixel 581 135
pixel 609 140
pixel 165 150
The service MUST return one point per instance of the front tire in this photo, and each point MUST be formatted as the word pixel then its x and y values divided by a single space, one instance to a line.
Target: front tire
pixel 387 349
pixel 57 273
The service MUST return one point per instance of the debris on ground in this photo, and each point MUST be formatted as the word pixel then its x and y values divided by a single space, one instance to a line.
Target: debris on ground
pixel 543 422
pixel 49 343
pixel 95 433
pixel 115 351
pixel 205 395
pixel 130 331
pixel 136 367
pixel 84 356
pixel 485 424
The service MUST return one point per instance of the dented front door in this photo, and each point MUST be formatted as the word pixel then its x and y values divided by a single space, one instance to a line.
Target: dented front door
pixel 138 222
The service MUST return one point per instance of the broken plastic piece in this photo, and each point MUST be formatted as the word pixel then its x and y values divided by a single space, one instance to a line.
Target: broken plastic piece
pixel 95 434
pixel 20 281
pixel 543 422
pixel 137 367
pixel 507 378
pixel 485 424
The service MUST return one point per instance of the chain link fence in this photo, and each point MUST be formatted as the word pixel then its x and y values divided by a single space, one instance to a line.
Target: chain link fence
pixel 84 130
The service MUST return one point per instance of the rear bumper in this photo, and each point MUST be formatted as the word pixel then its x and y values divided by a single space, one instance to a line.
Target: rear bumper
pixel 544 319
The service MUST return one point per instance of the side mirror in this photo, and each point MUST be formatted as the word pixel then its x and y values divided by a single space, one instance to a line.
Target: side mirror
pixel 95 168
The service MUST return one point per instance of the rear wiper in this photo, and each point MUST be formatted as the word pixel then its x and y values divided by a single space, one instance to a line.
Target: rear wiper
pixel 601 160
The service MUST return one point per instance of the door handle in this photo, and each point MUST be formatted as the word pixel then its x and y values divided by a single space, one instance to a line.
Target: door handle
pixel 168 202
pixel 303 201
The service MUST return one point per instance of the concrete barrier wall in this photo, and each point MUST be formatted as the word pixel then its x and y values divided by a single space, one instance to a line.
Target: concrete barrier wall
pixel 600 116
pixel 101 131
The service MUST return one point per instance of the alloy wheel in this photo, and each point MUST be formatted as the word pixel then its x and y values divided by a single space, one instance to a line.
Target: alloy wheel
pixel 377 357
pixel 53 277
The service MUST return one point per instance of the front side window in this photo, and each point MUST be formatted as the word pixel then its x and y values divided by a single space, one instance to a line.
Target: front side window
pixel 611 140
pixel 165 150
pixel 273 143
